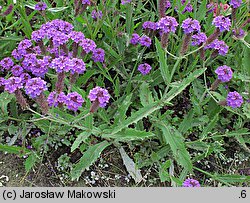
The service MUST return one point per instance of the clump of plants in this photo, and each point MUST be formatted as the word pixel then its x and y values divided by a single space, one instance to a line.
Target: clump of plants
pixel 166 84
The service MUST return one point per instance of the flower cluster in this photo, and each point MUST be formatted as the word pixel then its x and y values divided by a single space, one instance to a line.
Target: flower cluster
pixel 234 99
pixel 35 86
pixel 144 40
pixel 12 84
pixel 198 39
pixel 96 14
pixel 191 183
pixel 189 26
pixel 219 46
pixel 125 2
pixel 41 6
pixel 99 95
pixel 144 68
pixel 149 25
pixel 167 24
pixel 235 3
pixel 222 23
pixel 224 73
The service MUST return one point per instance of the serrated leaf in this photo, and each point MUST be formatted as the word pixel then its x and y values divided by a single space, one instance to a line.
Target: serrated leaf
pixel 163 62
pixel 122 109
pixel 80 138
pixel 88 158
pixel 14 149
pixel 129 134
pixel 130 166
pixel 145 94
pixel 174 138
pixel 186 124
pixel 5 99
pixel 202 10
pixel 30 162
pixel 232 178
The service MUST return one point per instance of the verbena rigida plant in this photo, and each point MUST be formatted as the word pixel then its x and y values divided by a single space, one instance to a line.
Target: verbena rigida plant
pixel 165 84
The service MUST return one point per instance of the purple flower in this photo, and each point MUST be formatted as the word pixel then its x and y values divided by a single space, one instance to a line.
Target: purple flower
pixel 168 4
pixel 188 8
pixel 25 77
pixel 235 3
pixel 96 14
pixel 189 25
pixel 234 99
pixel 74 101
pixel 145 41
pixel 77 66
pixel 149 25
pixel 199 39
pixel 100 95
pixel 59 38
pixel 40 68
pixel 218 45
pixel 54 99
pixel 16 55
pixel 29 61
pixel 2 80
pixel 60 25
pixel 239 33
pixel 125 2
pixel 35 86
pixel 41 6
pixel 167 24
pixel 6 63
pixel 98 55
pixel 12 84
pixel 23 46
pixel 77 36
pixel 38 35
pixel 86 2
pixel 222 22
pixel 88 45
pixel 144 68
pixel 61 64
pixel 135 39
pixel 191 183
pixel 16 70
pixel 224 73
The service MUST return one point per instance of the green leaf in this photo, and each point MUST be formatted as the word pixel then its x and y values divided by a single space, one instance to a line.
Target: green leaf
pixel 186 124
pixel 202 11
pixel 14 149
pixel 210 126
pixel 129 134
pixel 122 109
pixel 30 162
pixel 163 171
pixel 163 62
pixel 176 142
pixel 145 94
pixel 80 138
pixel 5 99
pixel 88 158
pixel 232 178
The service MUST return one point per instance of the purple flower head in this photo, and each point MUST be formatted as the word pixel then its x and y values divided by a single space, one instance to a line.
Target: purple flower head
pixel 59 38
pixel 38 35
pixel 199 39
pixel 125 2
pixel 135 39
pixel 6 63
pixel 235 3
pixel 218 45
pixel 41 6
pixel 29 61
pixel 167 24
pixel 234 99
pixel 145 41
pixel 77 36
pixel 74 101
pixel 188 8
pixel 183 2
pixel 191 183
pixel 16 70
pixel 240 33
pixel 144 68
pixel 60 25
pixel 12 84
pixel 98 55
pixel 25 77
pixel 61 64
pixel 16 55
pixel 41 67
pixel 77 66
pixel 189 26
pixel 88 45
pixel 54 99
pixel 99 94
pixel 149 25
pixel 2 81
pixel 222 22
pixel 23 46
pixel 35 86
pixel 86 2
pixel 96 14
pixel 168 4
pixel 224 73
